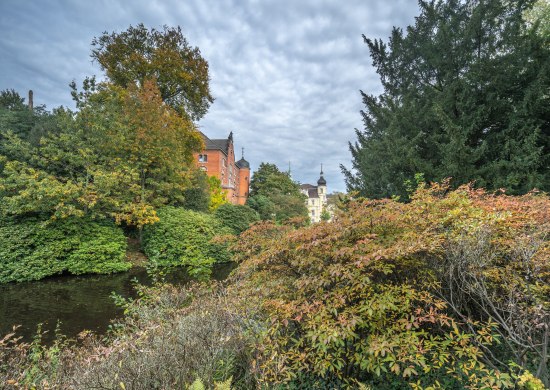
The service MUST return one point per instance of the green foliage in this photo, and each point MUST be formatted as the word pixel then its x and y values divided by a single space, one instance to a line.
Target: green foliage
pixel 275 196
pixel 236 217
pixel 121 156
pixel 33 248
pixel 199 385
pixel 15 116
pixel 197 197
pixel 11 100
pixel 268 178
pixel 325 215
pixel 263 205
pixel 184 237
pixel 538 18
pixel 217 193
pixel 480 114
pixel 138 54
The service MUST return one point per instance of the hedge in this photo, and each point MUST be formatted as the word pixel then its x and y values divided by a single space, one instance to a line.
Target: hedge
pixel 236 217
pixel 184 237
pixel 34 248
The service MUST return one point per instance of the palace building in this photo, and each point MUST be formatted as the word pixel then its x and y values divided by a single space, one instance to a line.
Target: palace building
pixel 316 200
pixel 218 159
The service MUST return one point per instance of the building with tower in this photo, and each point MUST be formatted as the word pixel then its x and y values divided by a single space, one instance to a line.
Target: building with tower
pixel 316 201
pixel 218 160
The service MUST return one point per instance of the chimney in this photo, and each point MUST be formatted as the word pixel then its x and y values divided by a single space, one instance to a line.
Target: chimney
pixel 30 100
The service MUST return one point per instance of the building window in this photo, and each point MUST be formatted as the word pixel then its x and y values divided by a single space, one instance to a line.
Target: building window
pixel 203 157
pixel 313 213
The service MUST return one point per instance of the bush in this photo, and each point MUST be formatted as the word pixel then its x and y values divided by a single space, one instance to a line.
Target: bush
pixel 33 248
pixel 441 292
pixel 184 237
pixel 236 217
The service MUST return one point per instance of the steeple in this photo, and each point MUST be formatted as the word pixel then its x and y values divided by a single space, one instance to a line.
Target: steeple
pixel 242 163
pixel 321 181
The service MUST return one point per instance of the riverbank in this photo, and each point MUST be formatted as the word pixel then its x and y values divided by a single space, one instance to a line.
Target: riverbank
pixel 82 302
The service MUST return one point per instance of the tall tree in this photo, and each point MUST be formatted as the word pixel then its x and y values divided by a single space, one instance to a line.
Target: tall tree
pixel 123 155
pixel 16 116
pixel 139 54
pixel 465 96
pixel 11 100
pixel 274 195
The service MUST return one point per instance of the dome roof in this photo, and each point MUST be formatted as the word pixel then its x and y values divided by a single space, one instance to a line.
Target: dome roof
pixel 242 163
pixel 322 181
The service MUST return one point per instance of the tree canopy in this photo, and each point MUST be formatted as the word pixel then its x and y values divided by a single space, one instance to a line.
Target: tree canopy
pixel 465 96
pixel 139 54
pixel 274 195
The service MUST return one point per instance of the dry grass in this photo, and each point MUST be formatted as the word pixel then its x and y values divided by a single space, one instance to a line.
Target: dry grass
pixel 170 337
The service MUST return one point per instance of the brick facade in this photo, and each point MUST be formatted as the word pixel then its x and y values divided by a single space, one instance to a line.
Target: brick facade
pixel 218 159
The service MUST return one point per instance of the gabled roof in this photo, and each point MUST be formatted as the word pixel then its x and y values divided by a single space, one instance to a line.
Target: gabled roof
pixel 310 190
pixel 217 144
pixel 312 193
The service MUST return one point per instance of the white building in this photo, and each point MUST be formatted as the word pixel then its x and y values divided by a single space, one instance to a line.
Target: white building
pixel 316 198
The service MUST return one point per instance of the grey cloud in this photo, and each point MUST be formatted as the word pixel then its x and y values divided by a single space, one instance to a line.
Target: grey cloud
pixel 286 75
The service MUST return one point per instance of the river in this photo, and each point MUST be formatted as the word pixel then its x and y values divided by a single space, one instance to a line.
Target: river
pixel 78 302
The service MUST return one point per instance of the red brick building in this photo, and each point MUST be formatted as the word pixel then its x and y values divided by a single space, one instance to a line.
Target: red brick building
pixel 218 159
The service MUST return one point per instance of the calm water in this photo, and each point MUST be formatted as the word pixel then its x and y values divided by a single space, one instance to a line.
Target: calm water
pixel 79 302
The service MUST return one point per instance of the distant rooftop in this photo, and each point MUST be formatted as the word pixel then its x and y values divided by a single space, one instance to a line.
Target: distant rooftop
pixel 216 144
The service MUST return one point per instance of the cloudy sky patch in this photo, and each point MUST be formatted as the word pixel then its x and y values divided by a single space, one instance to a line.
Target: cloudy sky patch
pixel 286 74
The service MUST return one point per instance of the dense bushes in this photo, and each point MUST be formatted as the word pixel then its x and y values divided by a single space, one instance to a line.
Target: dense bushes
pixel 450 290
pixel 33 248
pixel 184 237
pixel 236 217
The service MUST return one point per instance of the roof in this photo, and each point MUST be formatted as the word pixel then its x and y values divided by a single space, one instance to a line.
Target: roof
pixel 322 181
pixel 217 144
pixel 310 190
pixel 242 163
pixel 312 193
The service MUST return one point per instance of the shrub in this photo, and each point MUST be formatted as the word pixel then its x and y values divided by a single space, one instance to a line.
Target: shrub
pixel 33 248
pixel 184 237
pixel 441 292
pixel 236 217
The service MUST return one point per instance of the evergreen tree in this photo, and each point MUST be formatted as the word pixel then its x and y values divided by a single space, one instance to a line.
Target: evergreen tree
pixel 465 96
pixel 274 195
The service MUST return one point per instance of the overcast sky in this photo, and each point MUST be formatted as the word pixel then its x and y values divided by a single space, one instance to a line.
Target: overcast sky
pixel 285 74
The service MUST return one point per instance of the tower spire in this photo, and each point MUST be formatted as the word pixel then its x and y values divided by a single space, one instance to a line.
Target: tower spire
pixel 321 181
pixel 242 151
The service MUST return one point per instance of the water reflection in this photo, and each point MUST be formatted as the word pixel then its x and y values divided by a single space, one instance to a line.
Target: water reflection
pixel 78 302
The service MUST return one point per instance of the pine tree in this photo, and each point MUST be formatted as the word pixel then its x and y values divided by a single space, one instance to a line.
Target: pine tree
pixel 465 96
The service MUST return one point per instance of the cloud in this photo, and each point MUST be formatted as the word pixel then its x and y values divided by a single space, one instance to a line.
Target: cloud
pixel 286 75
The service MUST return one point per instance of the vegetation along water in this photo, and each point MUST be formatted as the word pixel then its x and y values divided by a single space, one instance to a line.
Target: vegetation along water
pixel 79 303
